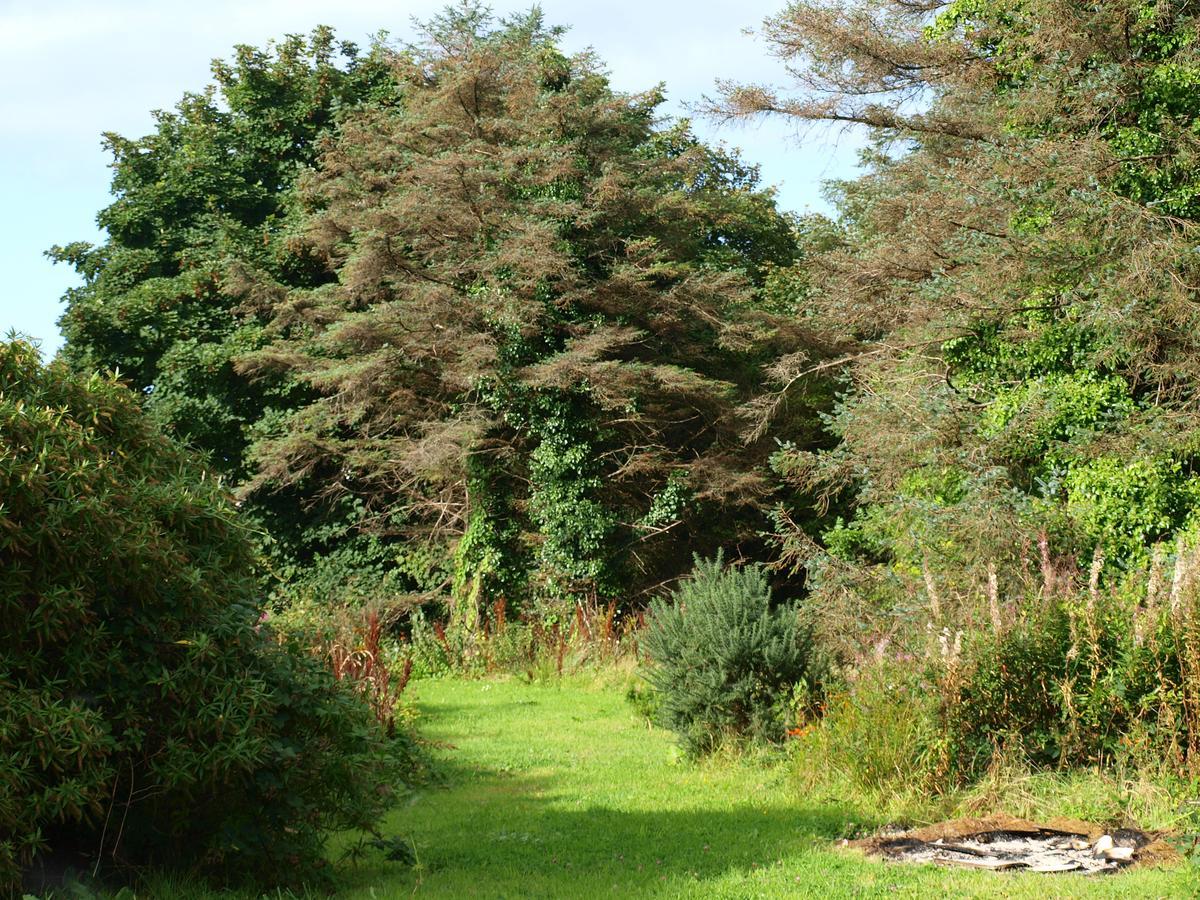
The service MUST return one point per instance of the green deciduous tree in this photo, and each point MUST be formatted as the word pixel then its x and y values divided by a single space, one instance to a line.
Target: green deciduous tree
pixel 204 195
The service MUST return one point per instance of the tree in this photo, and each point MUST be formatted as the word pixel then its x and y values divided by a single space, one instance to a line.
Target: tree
pixel 724 660
pixel 544 317
pixel 208 186
pixel 198 201
pixel 1015 268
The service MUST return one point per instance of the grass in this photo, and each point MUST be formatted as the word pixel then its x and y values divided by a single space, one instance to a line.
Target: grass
pixel 559 789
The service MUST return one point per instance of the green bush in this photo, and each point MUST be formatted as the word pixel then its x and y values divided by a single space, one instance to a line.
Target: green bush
pixel 724 659
pixel 881 731
pixel 1065 685
pixel 146 713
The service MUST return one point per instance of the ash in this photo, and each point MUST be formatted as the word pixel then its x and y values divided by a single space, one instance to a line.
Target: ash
pixel 1044 851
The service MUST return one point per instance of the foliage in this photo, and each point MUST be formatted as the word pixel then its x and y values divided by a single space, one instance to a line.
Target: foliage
pixel 525 646
pixel 1015 269
pixel 1084 679
pixel 359 658
pixel 544 319
pixel 1125 506
pixel 513 333
pixel 1074 677
pixel 1013 281
pixel 879 732
pixel 208 186
pixel 146 712
pixel 198 202
pixel 724 660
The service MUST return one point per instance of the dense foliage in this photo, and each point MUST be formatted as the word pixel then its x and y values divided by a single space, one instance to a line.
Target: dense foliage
pixel 467 329
pixel 495 339
pixel 204 195
pixel 145 713
pixel 1016 267
pixel 543 321
pixel 1016 271
pixel 724 660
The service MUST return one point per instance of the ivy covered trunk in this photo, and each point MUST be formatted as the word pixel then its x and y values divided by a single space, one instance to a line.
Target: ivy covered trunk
pixel 489 562
pixel 578 558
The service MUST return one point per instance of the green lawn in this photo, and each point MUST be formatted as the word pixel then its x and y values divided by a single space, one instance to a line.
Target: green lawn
pixel 560 790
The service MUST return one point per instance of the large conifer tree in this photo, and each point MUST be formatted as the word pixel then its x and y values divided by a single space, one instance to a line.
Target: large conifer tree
pixel 543 320
pixel 1018 267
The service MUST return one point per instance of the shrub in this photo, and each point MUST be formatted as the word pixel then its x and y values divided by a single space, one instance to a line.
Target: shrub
pixel 1085 674
pixel 1066 685
pixel 358 644
pixel 724 659
pixel 877 744
pixel 146 714
pixel 880 731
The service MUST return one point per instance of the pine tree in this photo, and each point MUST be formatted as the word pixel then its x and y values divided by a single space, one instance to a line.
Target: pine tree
pixel 544 317
pixel 724 659
pixel 1016 269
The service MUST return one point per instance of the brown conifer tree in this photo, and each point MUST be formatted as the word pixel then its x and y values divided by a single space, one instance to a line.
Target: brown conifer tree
pixel 1017 265
pixel 543 322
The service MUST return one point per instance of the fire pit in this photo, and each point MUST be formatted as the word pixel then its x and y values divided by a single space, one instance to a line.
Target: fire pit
pixel 1001 843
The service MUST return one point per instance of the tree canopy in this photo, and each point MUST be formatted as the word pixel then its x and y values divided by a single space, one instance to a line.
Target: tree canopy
pixel 456 294
pixel 1015 266
pixel 209 185
pixel 543 320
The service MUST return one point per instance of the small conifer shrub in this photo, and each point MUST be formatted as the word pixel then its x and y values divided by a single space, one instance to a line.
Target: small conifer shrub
pixel 724 659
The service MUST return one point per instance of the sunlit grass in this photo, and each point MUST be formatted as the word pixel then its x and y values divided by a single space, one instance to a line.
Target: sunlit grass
pixel 560 790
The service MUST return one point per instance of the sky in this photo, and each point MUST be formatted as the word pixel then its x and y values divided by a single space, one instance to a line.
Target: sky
pixel 71 70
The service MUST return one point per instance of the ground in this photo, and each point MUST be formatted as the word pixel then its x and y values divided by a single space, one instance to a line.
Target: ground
pixel 561 790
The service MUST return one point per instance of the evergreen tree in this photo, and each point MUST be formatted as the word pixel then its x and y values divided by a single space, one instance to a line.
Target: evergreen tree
pixel 544 317
pixel 1016 269
pixel 724 660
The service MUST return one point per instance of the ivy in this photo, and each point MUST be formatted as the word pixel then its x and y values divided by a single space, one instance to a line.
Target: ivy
pixel 576 558
pixel 1126 505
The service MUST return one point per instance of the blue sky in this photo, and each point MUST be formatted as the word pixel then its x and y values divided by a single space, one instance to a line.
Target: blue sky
pixel 72 69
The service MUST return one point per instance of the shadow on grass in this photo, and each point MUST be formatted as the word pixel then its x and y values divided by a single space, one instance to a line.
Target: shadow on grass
pixel 490 832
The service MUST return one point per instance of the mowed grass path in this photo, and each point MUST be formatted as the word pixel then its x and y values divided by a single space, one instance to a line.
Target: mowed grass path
pixel 560 790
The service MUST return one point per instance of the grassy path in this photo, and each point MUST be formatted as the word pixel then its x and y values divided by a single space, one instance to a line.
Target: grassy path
pixel 558 790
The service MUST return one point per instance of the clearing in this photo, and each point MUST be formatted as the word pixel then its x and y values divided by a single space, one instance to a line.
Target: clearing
pixel 560 790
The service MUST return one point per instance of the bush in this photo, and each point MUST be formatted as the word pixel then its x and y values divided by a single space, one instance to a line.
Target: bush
pixel 877 745
pixel 146 714
pixel 724 660
pixel 1067 685
pixel 880 731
